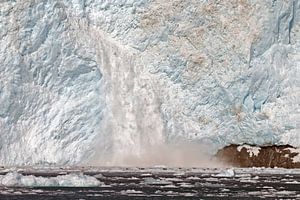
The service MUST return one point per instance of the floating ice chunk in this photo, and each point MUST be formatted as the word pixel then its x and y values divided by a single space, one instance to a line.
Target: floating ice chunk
pixel 131 192
pixel 14 179
pixel 226 173
pixel 152 181
pixel 160 166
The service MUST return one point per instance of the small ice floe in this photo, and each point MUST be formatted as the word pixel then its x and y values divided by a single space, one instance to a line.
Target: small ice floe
pixel 284 192
pixel 245 180
pixel 98 176
pixel 292 182
pixel 160 166
pixel 152 181
pixel 211 179
pixel 131 192
pixel 168 186
pixel 193 178
pixel 14 179
pixel 252 151
pixel 179 174
pixel 146 174
pixel 188 194
pixel 226 173
pixel 225 190
pixel 186 185
pixel 174 179
pixel 267 187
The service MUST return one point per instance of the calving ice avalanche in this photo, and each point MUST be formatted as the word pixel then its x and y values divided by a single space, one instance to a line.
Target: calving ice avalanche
pixel 85 81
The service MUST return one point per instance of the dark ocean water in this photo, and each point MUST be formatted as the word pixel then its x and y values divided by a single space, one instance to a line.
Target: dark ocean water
pixel 165 183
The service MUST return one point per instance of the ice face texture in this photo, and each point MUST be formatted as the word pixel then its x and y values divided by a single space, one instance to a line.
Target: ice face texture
pixel 85 78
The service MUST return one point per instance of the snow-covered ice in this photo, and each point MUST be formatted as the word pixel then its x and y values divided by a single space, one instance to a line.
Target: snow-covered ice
pixel 297 151
pixel 252 150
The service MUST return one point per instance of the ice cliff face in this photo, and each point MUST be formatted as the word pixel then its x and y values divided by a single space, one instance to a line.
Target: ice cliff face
pixel 109 77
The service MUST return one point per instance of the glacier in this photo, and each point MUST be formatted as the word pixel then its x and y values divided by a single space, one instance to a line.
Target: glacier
pixel 86 79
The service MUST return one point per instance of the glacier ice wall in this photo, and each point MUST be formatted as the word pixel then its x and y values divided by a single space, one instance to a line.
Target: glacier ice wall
pixel 86 78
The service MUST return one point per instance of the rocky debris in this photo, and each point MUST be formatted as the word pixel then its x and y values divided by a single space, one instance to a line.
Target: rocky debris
pixel 284 156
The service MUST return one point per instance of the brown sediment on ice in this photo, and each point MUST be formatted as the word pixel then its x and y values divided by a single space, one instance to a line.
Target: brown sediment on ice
pixel 284 156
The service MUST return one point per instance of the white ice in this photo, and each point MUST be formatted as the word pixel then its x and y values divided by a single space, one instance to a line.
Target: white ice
pixel 14 179
pixel 251 150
